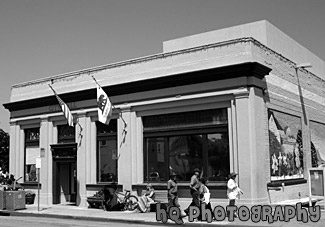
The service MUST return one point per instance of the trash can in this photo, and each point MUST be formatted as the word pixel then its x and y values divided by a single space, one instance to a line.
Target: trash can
pixel 15 200
pixel 2 200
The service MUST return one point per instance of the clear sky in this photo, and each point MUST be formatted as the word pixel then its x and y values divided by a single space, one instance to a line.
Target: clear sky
pixel 42 38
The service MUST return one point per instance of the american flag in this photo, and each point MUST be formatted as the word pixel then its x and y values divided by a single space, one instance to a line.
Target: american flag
pixel 64 107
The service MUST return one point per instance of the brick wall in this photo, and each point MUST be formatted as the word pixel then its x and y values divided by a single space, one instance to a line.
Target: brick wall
pixel 283 95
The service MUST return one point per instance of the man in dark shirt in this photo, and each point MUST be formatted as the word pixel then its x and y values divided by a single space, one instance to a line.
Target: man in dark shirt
pixel 172 194
pixel 194 189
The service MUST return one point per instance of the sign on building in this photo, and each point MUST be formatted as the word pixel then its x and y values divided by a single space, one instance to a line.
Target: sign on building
pixel 316 183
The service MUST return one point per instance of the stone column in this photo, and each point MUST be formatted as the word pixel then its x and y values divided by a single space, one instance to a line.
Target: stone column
pixel 13 146
pixel 137 143
pixel 91 151
pixel 124 164
pixel 20 152
pixel 251 141
pixel 130 149
pixel 81 137
pixel 46 162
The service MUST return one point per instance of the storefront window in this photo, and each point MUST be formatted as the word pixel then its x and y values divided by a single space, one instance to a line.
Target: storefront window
pixel 185 154
pixel 157 159
pixel 185 141
pixel 107 151
pixel 32 151
pixel 286 147
pixel 218 156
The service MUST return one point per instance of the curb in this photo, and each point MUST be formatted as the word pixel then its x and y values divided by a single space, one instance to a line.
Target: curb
pixel 76 217
pixel 117 220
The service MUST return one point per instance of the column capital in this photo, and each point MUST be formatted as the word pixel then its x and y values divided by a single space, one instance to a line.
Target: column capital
pixel 241 94
pixel 13 123
pixel 125 109
pixel 83 114
pixel 45 118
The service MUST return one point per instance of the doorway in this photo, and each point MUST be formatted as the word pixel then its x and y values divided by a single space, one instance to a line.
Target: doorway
pixel 65 181
pixel 64 173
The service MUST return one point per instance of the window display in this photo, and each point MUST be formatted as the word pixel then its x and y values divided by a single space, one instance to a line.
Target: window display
pixel 286 147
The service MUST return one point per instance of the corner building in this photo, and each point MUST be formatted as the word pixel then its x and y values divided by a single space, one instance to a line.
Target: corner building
pixel 222 101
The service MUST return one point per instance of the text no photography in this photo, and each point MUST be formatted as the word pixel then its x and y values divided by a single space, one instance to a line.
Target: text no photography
pixel 256 213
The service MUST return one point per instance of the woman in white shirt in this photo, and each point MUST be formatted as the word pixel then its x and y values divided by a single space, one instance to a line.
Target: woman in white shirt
pixel 233 191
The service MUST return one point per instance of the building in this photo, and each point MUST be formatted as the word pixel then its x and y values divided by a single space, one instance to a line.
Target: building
pixel 226 100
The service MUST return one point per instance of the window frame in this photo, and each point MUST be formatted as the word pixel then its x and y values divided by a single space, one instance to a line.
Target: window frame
pixel 29 142
pixel 168 132
pixel 104 133
pixel 271 112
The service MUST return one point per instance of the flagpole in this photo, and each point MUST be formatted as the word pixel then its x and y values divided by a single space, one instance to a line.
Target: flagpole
pixel 52 88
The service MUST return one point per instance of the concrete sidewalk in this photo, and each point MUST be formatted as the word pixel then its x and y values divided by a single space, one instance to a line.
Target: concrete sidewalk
pixel 68 211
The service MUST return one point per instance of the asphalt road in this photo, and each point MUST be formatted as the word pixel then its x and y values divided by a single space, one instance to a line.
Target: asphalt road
pixel 25 221
pixel 29 221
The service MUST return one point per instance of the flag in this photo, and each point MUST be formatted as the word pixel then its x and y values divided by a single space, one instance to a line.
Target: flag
pixel 104 105
pixel 64 107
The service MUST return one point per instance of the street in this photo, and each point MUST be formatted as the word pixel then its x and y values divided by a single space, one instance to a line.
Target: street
pixel 31 221
pixel 25 221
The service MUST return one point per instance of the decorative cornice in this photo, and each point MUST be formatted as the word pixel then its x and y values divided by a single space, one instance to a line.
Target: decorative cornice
pixel 248 69
pixel 140 60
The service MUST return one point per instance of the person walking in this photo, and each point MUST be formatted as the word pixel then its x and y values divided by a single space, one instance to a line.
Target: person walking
pixel 205 194
pixel 194 190
pixel 233 191
pixel 172 191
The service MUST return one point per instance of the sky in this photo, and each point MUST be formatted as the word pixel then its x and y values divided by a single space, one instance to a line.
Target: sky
pixel 43 38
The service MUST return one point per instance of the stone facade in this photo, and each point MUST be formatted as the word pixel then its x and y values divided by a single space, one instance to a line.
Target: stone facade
pixel 243 75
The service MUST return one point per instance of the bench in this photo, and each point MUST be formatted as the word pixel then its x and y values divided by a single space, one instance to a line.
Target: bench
pixel 97 200
pixel 160 197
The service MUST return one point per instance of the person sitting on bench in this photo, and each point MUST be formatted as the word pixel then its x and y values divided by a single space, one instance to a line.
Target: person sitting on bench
pixel 146 199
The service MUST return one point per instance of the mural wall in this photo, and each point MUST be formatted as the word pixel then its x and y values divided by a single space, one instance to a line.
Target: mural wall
pixel 286 148
pixel 317 137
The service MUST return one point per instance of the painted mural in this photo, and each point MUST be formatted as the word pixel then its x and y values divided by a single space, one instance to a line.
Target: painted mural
pixel 286 147
pixel 317 137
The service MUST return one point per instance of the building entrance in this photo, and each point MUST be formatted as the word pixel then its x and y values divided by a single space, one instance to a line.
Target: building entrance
pixel 64 188
pixel 64 173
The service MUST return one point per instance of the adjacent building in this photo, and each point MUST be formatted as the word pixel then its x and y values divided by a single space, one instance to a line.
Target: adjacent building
pixel 228 100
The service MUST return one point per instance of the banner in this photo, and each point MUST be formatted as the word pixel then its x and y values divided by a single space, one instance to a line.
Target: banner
pixel 104 106
pixel 64 107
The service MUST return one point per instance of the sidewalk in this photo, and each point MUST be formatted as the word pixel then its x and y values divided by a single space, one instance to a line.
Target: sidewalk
pixel 68 211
